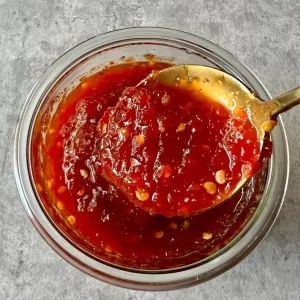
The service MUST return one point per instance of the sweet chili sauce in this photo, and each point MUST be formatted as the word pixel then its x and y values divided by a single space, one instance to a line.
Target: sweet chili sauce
pixel 92 212
pixel 173 152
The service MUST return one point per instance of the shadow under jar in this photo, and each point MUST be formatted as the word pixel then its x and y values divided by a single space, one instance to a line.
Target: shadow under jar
pixel 90 223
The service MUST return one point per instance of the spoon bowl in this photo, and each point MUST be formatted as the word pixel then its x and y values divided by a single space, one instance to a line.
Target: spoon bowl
pixel 219 86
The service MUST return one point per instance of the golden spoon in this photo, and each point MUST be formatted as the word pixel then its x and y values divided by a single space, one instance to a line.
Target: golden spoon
pixel 222 87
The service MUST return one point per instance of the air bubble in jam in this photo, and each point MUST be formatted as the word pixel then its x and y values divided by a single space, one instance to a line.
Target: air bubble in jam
pixel 100 218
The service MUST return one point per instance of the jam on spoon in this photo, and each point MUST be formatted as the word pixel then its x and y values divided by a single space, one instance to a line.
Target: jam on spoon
pixel 192 137
pixel 172 151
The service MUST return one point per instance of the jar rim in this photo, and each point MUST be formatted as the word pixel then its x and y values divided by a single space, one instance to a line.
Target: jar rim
pixel 262 220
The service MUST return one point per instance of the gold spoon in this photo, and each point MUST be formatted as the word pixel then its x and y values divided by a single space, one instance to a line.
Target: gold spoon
pixel 222 87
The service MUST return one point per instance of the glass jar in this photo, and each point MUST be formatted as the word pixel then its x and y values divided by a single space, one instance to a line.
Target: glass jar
pixel 87 58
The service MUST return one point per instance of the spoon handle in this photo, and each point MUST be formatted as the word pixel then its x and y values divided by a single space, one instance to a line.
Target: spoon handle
pixel 286 101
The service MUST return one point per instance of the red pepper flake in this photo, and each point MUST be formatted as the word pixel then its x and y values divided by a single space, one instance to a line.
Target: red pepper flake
pixel 61 189
pixel 59 144
pixel 140 139
pixel 167 171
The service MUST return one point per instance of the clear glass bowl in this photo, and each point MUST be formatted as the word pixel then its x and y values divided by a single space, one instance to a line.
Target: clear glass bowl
pixel 87 58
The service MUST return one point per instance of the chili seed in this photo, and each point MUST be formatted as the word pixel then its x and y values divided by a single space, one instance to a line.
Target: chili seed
pixel 181 127
pixel 84 173
pixel 71 220
pixel 158 234
pixel 220 177
pixel 186 224
pixel 206 236
pixel 61 189
pixel 142 195
pixel 210 187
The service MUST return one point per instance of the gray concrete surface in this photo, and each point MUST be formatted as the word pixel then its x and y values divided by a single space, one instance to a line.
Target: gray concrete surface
pixel 263 34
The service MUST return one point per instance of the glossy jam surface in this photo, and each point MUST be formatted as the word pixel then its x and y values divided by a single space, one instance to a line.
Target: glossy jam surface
pixel 172 152
pixel 97 216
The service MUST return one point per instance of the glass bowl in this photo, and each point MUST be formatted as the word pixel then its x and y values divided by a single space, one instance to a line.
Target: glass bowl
pixel 87 58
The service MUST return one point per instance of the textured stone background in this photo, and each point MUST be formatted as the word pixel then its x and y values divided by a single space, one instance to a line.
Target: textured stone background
pixel 263 34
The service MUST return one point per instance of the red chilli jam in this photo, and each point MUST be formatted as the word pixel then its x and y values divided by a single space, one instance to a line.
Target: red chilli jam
pixel 173 152
pixel 118 169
